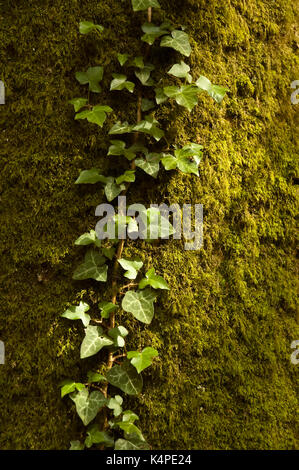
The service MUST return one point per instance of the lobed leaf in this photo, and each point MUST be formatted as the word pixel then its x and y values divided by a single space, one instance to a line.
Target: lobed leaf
pixel 88 405
pixel 140 304
pixel 179 41
pixel 92 77
pixel 94 341
pixel 142 360
pixel 126 378
pixel 132 267
pixel 78 313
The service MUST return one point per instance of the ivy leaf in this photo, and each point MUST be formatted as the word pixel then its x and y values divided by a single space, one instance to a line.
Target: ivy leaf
pixel 69 386
pixel 132 267
pixel 115 405
pixel 144 74
pixel 149 126
pixel 127 177
pixel 96 115
pixel 88 406
pixel 93 267
pixel 92 76
pixel 78 103
pixel 146 104
pixel 186 159
pixel 140 304
pixel 96 436
pixel 86 27
pixel 94 341
pixel 215 91
pixel 181 71
pixel 160 96
pixel 108 252
pixel 138 62
pixel 112 189
pixel 118 147
pixel 76 445
pixel 139 5
pixel 155 225
pixel 78 313
pixel 120 128
pixel 150 164
pixel 106 308
pixel 186 95
pixel 94 377
pixel 88 238
pixel 126 378
pixel 151 279
pixel 179 41
pixel 91 176
pixel 130 428
pixel 129 416
pixel 152 32
pixel 118 334
pixel 122 58
pixel 131 444
pixel 142 360
pixel 120 82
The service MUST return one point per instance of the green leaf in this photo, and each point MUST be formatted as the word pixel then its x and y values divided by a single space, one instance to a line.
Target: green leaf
pixel 151 279
pixel 181 71
pixel 86 27
pixel 112 190
pixel 130 428
pixel 88 238
pixel 106 308
pixel 118 147
pixel 69 386
pixel 122 58
pixel 93 267
pixel 78 313
pixel 129 416
pixel 150 164
pixel 76 445
pixel 132 267
pixel 144 74
pixel 120 82
pixel 94 377
pixel 118 334
pixel 152 32
pixel 186 95
pixel 115 405
pixel 186 159
pixel 126 378
pixel 138 62
pixel 88 406
pixel 140 304
pixel 139 5
pixel 92 76
pixel 157 226
pixel 149 126
pixel 179 40
pixel 109 252
pixel 131 444
pixel 94 341
pixel 146 104
pixel 160 96
pixel 215 91
pixel 142 360
pixel 120 128
pixel 91 176
pixel 96 115
pixel 127 177
pixel 96 436
pixel 78 103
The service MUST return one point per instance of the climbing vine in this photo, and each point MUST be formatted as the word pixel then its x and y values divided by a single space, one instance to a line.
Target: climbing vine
pixel 117 427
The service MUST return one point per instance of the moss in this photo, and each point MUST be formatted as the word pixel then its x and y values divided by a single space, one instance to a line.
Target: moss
pixel 224 379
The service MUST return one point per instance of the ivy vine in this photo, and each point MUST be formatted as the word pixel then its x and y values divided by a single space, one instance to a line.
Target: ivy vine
pixel 117 427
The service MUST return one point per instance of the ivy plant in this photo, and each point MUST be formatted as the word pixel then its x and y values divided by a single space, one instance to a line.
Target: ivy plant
pixel 108 423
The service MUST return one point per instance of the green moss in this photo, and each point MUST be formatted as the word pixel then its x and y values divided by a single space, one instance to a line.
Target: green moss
pixel 223 379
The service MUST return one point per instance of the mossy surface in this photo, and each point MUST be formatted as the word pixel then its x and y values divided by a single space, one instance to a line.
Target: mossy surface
pixel 224 379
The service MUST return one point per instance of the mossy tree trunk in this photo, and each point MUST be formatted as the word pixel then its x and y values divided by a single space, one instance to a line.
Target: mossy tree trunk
pixel 224 379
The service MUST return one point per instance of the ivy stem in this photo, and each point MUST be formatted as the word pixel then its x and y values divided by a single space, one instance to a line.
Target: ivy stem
pixel 118 255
